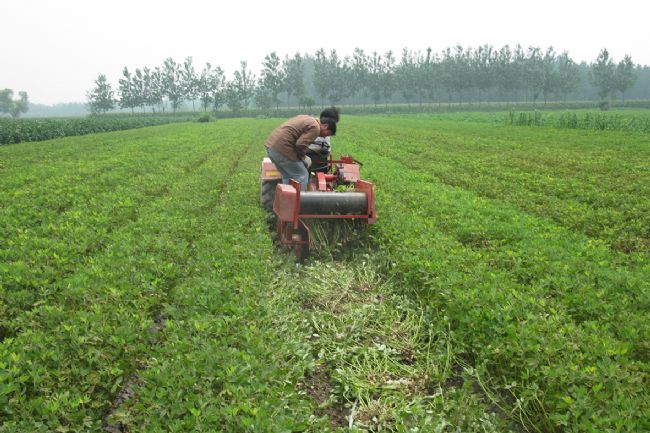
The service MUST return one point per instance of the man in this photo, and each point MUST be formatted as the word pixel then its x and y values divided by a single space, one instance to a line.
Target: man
pixel 287 145
pixel 319 151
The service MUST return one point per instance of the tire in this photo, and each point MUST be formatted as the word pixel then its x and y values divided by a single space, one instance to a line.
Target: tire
pixel 267 195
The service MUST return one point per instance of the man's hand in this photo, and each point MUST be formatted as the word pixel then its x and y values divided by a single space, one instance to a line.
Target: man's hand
pixel 307 161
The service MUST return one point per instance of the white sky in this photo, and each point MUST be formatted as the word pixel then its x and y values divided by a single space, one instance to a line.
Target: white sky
pixel 55 49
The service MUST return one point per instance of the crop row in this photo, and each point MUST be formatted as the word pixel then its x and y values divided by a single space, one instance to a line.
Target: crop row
pixel 22 130
pixel 154 299
pixel 66 205
pixel 172 311
pixel 580 120
pixel 238 348
pixel 598 185
pixel 71 353
pixel 231 358
pixel 553 321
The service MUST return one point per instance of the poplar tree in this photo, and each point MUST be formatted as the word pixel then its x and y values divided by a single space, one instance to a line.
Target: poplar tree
pixel 209 83
pixel 549 73
pixel 241 89
pixel 482 66
pixel 405 76
pixel 337 77
pixel 503 71
pixel 138 89
pixel 189 82
pixel 171 83
pixel 218 87
pixel 321 74
pixel 157 91
pixel 358 73
pixel 271 80
pixel 388 76
pixel 568 74
pixel 147 87
pixel 294 76
pixel 602 75
pixel 624 76
pixel 125 90
pixel 375 74
pixel 101 99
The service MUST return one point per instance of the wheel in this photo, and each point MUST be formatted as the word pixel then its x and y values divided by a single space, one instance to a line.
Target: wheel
pixel 267 195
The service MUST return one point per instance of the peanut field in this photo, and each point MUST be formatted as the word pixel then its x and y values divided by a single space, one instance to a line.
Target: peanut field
pixel 505 286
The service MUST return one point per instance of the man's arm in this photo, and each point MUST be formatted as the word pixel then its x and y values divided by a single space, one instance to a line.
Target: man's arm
pixel 306 139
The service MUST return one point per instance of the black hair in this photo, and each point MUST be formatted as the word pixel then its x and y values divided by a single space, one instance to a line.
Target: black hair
pixel 331 124
pixel 331 112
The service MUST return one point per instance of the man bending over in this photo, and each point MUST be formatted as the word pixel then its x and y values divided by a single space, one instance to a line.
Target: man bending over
pixel 287 145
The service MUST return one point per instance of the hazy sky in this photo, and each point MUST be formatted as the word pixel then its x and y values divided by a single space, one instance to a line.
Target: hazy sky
pixel 55 49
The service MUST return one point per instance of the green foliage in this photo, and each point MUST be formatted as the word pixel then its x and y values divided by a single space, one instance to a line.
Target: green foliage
pixel 22 130
pixel 504 287
pixel 127 90
pixel 609 77
pixel 271 79
pixel 13 107
pixel 101 99
pixel 211 85
pixel 190 82
pixel 293 72
pixel 616 121
pixel 241 89
pixel 625 77
pixel 494 112
pixel 263 98
pixel 5 100
pixel 521 240
pixel 525 119
pixel 143 258
pixel 307 102
pixel 459 75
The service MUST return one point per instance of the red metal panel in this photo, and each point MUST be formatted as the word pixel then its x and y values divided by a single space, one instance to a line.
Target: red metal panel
pixel 269 170
pixel 322 182
pixel 367 187
pixel 284 205
pixel 351 172
pixel 296 202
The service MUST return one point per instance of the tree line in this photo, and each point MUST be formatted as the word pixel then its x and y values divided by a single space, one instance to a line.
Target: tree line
pixel 457 74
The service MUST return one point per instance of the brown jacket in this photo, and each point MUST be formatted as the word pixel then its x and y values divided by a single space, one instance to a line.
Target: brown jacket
pixel 292 137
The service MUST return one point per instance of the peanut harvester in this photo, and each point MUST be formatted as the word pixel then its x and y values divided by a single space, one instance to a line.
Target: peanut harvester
pixel 336 193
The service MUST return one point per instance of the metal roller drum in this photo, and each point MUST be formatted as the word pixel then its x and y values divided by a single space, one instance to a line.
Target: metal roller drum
pixel 341 203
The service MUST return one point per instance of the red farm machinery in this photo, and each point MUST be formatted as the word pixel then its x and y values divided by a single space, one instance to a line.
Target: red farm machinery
pixel 335 193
